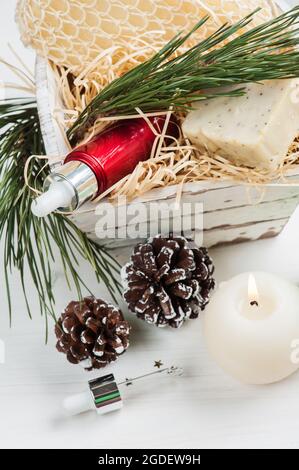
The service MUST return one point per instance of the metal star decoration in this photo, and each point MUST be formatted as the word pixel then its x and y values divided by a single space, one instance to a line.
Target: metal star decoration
pixel 158 364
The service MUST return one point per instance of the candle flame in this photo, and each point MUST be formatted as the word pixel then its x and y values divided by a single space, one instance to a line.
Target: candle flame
pixel 253 293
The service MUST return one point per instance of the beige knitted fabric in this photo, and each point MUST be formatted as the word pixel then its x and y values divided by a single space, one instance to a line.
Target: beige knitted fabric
pixel 74 32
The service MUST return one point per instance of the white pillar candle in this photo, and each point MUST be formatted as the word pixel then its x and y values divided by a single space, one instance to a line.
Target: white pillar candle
pixel 251 326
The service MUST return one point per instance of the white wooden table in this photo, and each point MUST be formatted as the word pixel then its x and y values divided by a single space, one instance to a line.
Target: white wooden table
pixel 203 409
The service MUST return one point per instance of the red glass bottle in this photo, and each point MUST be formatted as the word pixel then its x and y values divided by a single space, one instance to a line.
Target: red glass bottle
pixel 92 168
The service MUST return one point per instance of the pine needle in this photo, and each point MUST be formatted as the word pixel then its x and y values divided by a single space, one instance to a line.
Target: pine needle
pixel 29 241
pixel 168 79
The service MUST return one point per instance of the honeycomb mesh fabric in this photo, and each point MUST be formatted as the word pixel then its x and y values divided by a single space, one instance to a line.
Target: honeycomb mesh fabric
pixel 73 33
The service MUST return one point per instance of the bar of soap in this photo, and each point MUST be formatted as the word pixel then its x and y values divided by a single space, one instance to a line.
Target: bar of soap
pixel 255 130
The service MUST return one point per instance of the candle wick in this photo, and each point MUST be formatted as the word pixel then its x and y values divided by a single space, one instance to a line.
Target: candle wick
pixel 254 303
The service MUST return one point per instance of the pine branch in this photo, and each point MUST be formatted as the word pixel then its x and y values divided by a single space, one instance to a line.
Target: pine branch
pixel 29 241
pixel 265 52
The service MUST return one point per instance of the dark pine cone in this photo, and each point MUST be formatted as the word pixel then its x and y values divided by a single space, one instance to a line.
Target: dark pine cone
pixel 92 332
pixel 168 281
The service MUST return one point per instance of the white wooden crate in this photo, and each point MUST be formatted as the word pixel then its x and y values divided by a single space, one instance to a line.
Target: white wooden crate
pixel 231 212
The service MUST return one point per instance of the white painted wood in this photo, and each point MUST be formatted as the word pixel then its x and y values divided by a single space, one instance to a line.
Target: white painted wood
pixel 286 4
pixel 210 238
pixel 228 200
pixel 203 409
pixel 256 231
pixel 230 214
pixel 48 103
pixel 215 197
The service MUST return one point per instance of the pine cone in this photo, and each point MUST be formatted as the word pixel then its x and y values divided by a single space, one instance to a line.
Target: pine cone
pixel 168 281
pixel 92 332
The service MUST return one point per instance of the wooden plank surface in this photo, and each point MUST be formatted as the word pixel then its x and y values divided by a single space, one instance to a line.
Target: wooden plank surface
pixel 219 412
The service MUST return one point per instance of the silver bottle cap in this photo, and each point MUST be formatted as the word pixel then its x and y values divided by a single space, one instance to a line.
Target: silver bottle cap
pixel 66 189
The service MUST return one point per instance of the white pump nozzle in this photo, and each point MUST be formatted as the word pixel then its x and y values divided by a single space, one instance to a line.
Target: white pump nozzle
pixel 82 402
pixel 79 403
pixel 59 194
